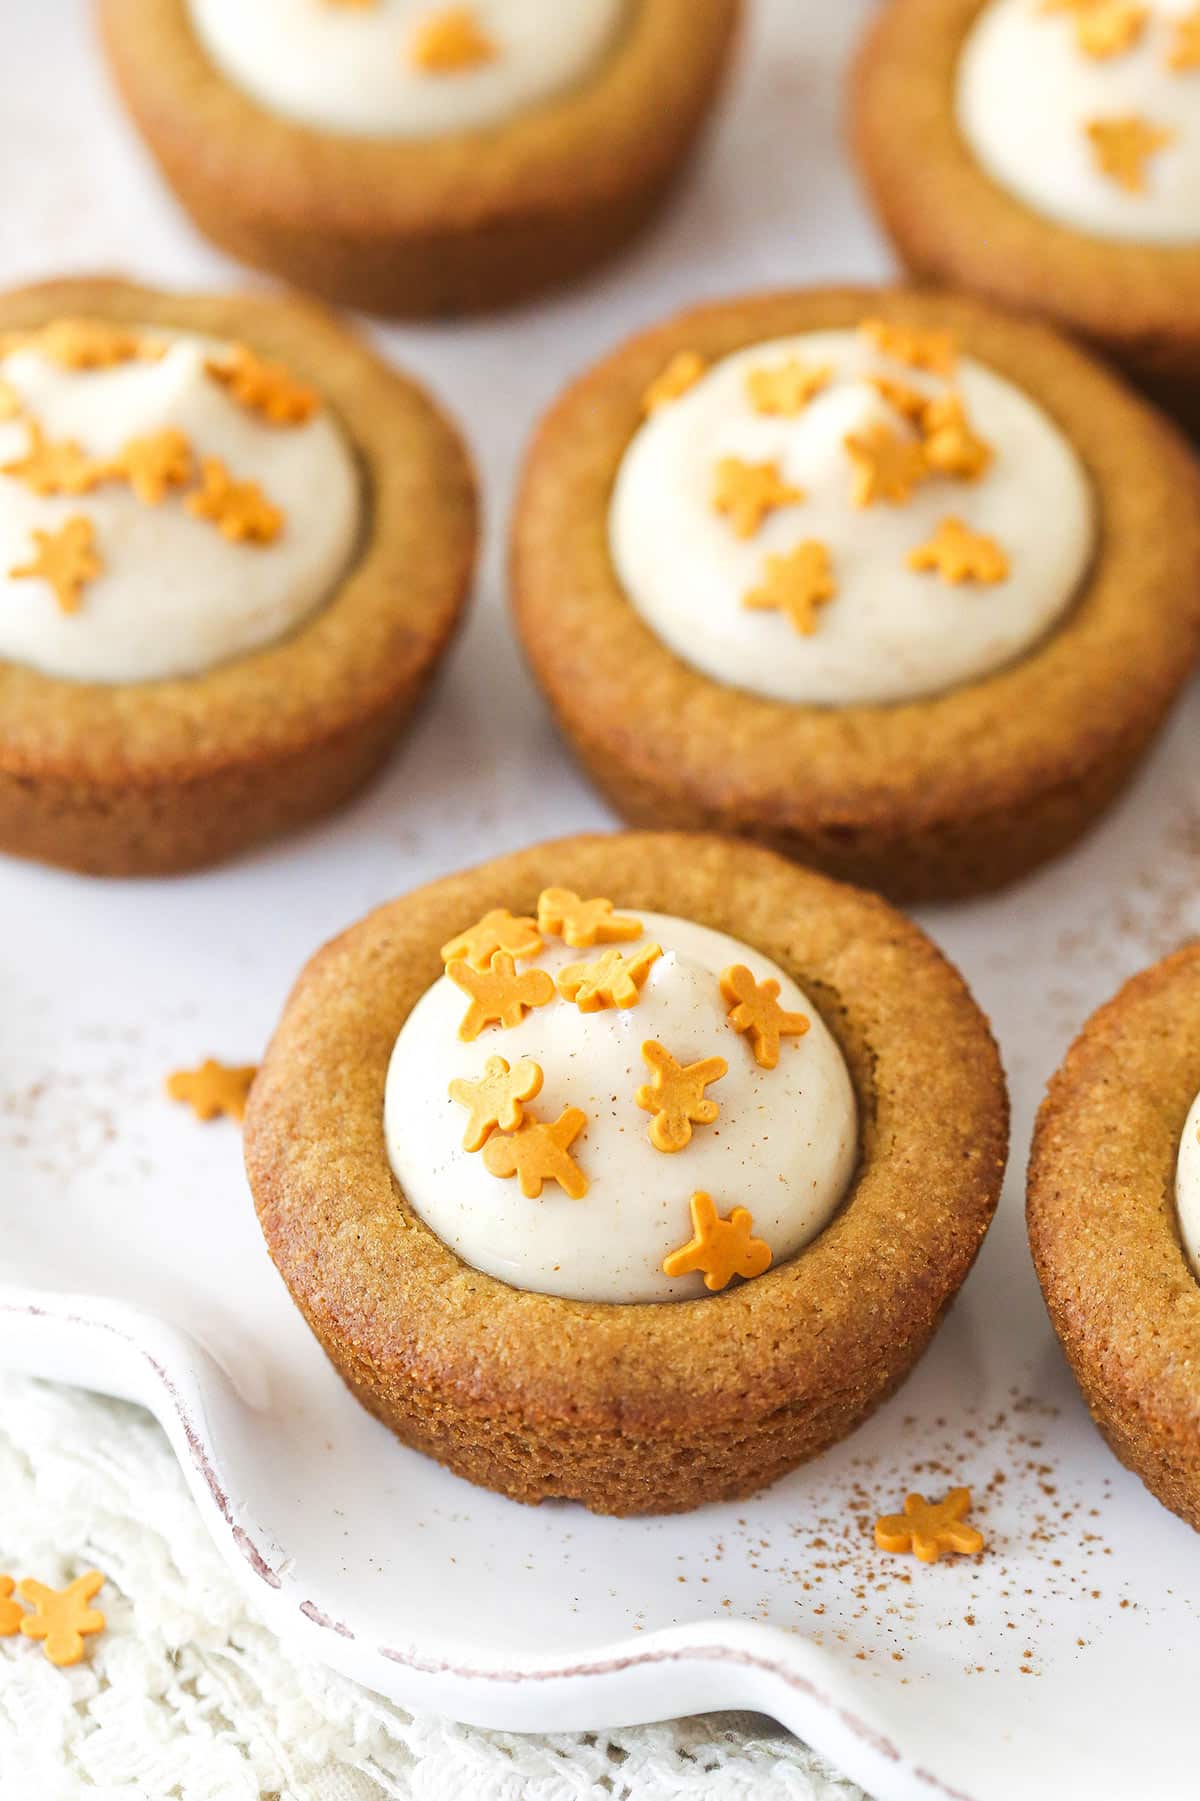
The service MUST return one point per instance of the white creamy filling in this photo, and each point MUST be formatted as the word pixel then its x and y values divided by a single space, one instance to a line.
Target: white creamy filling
pixel 1026 93
pixel 350 68
pixel 174 597
pixel 1187 1187
pixel 783 1145
pixel 891 633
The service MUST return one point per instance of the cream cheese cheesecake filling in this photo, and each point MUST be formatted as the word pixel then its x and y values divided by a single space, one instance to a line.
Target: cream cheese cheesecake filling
pixel 1089 114
pixel 167 503
pixel 1187 1187
pixel 846 517
pixel 653 1121
pixel 405 68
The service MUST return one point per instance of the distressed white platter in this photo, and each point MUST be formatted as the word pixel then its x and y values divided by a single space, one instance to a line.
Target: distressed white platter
pixel 131 1260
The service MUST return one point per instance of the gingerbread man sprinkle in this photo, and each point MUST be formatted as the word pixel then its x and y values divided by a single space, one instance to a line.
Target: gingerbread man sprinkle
pixel 927 1528
pixel 797 584
pixel 951 446
pixel 583 923
pixel 786 388
pixel 749 492
pixel 933 351
pixel 263 387
pixel 887 466
pixel 1122 147
pixel 62 1617
pixel 86 343
pixel 499 996
pixel 214 1090
pixel 611 981
pixel 498 930
pixel 66 560
pixel 539 1152
pixel 675 1095
pixel 1108 28
pixel 11 1612
pixel 719 1248
pixel 755 1010
pixel 495 1100
pixel 239 510
pixel 681 373
pixel 451 40
pixel 156 463
pixel 958 554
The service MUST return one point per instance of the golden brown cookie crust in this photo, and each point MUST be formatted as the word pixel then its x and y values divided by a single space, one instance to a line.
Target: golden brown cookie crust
pixel 1103 1227
pixel 930 799
pixel 653 1408
pixel 950 222
pixel 451 223
pixel 153 777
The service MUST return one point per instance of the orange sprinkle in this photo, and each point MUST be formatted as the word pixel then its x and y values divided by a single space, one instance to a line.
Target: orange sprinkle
pixel 62 1617
pixel 11 1612
pixel 719 1248
pixel 951 446
pixel 86 343
pixel 1108 28
pixel 50 468
pixel 675 1095
pixel 583 923
pixel 933 351
pixel 749 492
pixel 797 584
pixel 214 1090
pixel 498 930
pixel 265 388
pixel 239 510
pixel 928 1528
pixel 886 465
pixel 958 554
pixel 755 1010
pixel 155 463
pixel 10 402
pixel 65 559
pixel 1185 44
pixel 787 388
pixel 1122 146
pixel 611 981
pixel 451 40
pixel 539 1152
pixel 495 1099
pixel 499 996
pixel 909 402
pixel 681 373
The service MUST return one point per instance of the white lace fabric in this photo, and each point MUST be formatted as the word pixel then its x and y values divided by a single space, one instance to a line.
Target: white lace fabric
pixel 188 1695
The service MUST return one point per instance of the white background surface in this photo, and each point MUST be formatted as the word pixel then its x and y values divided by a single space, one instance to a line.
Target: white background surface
pixel 970 1677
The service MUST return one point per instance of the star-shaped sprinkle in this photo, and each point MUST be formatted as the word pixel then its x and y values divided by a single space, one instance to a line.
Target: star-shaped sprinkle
pixel 61 1616
pixel 538 1152
pixel 933 351
pixel 10 402
pixel 681 373
pixel 930 1527
pixel 887 466
pixel 582 923
pixel 749 492
pixel 675 1095
pixel 66 559
pixel 719 1248
pixel 958 554
pixel 495 1100
pixel 1184 52
pixel 86 343
pixel 908 401
pixel 239 510
pixel 951 446
pixel 798 583
pixel 49 468
pixel 786 388
pixel 613 980
pixel 498 930
pixel 11 1612
pixel 262 387
pixel 1123 145
pixel 451 40
pixel 755 1010
pixel 499 996
pixel 156 463
pixel 214 1090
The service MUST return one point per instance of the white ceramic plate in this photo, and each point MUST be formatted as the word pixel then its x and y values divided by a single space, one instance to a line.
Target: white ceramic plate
pixel 132 1261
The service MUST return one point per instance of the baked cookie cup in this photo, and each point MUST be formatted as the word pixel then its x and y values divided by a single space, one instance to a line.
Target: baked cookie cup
pixel 871 1132
pixel 1048 161
pixel 237 546
pixel 877 577
pixel 1114 1223
pixel 417 159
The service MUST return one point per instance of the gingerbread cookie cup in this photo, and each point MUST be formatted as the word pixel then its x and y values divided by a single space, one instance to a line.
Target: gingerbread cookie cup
pixel 633 1408
pixel 936 797
pixel 952 221
pixel 457 220
pixel 1104 1231
pixel 151 776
